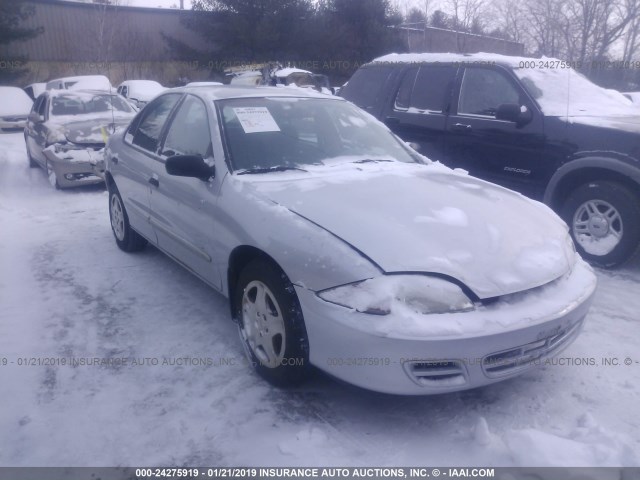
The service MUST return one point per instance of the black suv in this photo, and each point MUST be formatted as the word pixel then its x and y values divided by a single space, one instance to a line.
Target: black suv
pixel 535 126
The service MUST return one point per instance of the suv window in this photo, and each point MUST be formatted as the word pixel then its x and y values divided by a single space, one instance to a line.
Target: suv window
pixel 189 132
pixel 403 97
pixel 366 84
pixel 483 90
pixel 154 116
pixel 432 87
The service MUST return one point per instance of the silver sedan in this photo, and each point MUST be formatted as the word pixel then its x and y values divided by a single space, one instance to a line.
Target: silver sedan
pixel 341 247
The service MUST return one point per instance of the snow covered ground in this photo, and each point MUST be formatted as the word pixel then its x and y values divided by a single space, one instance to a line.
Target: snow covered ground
pixel 66 291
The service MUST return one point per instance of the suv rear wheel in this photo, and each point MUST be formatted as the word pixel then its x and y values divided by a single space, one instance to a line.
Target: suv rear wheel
pixel 604 218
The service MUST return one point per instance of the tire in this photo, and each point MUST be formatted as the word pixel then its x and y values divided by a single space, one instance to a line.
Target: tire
pixel 127 239
pixel 604 218
pixel 271 324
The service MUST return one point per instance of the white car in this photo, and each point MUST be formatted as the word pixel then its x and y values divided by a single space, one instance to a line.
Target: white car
pixel 81 82
pixel 140 92
pixel 15 106
pixel 340 247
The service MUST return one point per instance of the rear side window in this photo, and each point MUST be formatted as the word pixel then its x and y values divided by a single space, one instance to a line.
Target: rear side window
pixel 154 116
pixel 433 87
pixel 365 86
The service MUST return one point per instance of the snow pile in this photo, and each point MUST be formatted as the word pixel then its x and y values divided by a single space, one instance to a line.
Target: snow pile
pixel 586 445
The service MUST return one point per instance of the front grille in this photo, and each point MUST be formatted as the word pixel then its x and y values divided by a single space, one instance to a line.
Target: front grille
pixel 511 361
pixel 15 119
pixel 436 373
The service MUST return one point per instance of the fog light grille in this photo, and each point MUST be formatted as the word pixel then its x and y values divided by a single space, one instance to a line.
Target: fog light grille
pixel 436 373
pixel 519 358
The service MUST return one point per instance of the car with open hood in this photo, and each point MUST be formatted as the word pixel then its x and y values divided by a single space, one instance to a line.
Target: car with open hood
pixel 339 246
pixel 533 125
pixel 66 132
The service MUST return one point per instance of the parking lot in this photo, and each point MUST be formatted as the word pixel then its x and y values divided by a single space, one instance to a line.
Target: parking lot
pixel 109 358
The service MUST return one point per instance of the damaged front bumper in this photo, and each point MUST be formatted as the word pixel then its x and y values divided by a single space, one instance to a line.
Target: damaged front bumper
pixel 74 165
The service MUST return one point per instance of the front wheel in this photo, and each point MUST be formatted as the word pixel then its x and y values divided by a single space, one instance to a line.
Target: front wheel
pixel 127 239
pixel 604 218
pixel 271 324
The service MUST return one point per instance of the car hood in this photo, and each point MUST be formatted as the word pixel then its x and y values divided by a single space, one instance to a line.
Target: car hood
pixel 427 218
pixel 89 130
pixel 627 123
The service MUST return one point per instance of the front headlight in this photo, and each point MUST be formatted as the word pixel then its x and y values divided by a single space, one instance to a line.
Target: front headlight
pixel 386 294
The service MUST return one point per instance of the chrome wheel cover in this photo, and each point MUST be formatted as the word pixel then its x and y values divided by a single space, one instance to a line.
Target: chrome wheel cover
pixel 597 227
pixel 117 217
pixel 262 327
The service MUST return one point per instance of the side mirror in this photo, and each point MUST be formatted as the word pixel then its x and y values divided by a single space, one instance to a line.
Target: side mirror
pixel 415 146
pixel 189 166
pixel 512 112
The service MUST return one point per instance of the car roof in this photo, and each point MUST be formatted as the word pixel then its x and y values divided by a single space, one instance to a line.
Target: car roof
pixel 225 92
pixel 489 58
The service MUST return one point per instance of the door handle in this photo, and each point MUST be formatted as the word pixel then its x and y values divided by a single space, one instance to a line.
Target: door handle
pixel 392 121
pixel 154 181
pixel 461 127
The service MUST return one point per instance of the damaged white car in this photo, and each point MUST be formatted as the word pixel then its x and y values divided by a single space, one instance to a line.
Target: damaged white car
pixel 66 132
pixel 340 247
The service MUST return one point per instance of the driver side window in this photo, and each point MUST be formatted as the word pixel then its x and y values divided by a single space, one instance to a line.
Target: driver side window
pixel 189 132
pixel 483 90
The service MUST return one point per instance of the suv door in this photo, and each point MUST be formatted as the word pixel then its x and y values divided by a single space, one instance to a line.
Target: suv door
pixel 182 208
pixel 135 166
pixel 418 112
pixel 506 152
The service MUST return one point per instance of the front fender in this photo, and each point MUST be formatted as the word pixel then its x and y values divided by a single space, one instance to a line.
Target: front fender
pixel 620 164
pixel 311 256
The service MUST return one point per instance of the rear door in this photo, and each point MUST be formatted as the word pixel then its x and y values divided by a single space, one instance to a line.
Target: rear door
pixel 500 151
pixel 418 110
pixel 134 165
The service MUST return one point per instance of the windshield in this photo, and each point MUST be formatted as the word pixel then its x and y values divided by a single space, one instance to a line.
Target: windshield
pixel 562 92
pixel 87 103
pixel 271 133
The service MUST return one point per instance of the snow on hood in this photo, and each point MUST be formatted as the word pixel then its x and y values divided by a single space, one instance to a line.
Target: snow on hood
pixel 88 128
pixel 14 101
pixel 417 218
pixel 566 93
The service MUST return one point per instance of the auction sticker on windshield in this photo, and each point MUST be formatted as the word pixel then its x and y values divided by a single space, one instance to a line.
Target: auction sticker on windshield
pixel 256 119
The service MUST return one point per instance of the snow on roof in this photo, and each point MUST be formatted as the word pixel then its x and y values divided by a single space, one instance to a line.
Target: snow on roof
pixel 454 58
pixel 203 84
pixel 285 72
pixel 242 91
pixel 14 101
